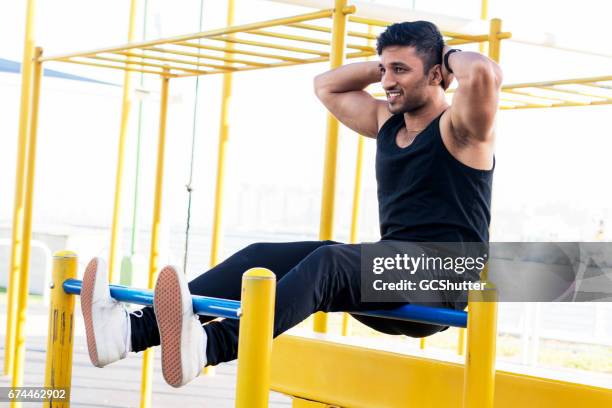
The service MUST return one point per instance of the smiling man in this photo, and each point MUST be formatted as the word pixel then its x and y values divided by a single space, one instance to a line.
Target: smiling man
pixel 434 162
pixel 434 167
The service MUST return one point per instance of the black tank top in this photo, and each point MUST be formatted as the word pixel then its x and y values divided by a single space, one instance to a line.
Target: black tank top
pixel 427 195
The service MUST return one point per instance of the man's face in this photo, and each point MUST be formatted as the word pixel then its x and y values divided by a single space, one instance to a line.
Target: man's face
pixel 403 79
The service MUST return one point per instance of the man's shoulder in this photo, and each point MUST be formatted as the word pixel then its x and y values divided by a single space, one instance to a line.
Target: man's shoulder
pixel 383 116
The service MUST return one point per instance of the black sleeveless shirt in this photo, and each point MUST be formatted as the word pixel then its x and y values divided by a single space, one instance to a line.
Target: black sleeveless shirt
pixel 427 195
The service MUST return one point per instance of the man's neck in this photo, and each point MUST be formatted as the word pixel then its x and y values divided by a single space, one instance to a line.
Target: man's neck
pixel 419 119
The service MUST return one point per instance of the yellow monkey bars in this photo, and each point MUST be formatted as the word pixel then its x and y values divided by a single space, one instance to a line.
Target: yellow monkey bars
pixel 296 40
pixel 555 94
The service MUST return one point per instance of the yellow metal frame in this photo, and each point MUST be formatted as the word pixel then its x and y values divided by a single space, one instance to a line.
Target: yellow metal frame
pixel 222 145
pixel 479 371
pixel 353 237
pixel 255 340
pixel 228 37
pixel 226 93
pixel 26 233
pixel 14 270
pixel 589 91
pixel 347 376
pixel 279 42
pixel 60 335
pixel 304 403
pixel 147 367
pixel 326 228
pixel 126 105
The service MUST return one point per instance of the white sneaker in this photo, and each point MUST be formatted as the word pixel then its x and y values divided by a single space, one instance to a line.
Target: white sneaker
pixel 183 339
pixel 107 323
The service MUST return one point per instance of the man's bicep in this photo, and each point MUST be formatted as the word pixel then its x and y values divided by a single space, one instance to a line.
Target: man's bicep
pixel 357 110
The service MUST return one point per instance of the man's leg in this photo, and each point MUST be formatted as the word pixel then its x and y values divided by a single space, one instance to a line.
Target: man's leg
pixel 225 281
pixel 327 280
pixel 138 330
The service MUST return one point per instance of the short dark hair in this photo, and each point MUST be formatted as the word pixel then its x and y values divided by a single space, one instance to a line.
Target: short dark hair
pixel 422 35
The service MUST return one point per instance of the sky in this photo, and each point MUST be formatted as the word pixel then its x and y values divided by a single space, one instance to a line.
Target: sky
pixel 552 165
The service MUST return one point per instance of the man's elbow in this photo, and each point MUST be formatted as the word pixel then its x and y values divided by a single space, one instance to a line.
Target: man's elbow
pixel 319 86
pixel 493 71
pixel 498 74
pixel 486 73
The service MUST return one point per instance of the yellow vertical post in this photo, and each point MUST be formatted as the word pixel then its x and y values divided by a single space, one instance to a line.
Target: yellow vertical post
pixel 223 139
pixel 484 14
pixel 494 40
pixel 147 366
pixel 479 377
pixel 255 338
pixel 422 343
pixel 482 47
pixel 22 142
pixel 60 335
pixel 357 191
pixel 125 116
pixel 346 318
pixel 226 95
pixel 26 236
pixel 326 228
pixel 358 171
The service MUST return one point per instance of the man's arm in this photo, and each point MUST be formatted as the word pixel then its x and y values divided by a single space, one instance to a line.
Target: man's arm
pixel 342 92
pixel 475 101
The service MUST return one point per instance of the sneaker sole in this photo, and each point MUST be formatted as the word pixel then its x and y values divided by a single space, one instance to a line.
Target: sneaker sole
pixel 87 291
pixel 169 313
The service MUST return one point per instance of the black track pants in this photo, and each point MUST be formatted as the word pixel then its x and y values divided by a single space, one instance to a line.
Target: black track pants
pixel 311 276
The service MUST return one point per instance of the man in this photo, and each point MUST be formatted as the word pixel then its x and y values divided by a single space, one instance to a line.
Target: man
pixel 434 170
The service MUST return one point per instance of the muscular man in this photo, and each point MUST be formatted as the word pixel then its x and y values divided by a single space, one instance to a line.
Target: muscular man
pixel 434 168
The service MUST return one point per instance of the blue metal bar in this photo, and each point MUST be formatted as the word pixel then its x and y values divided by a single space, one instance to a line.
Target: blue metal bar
pixel 210 306
pixel 202 305
pixel 422 314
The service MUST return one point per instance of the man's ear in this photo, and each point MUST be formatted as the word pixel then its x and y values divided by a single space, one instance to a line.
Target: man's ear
pixel 435 76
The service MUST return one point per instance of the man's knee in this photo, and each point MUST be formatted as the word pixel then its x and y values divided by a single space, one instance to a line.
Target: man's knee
pixel 261 249
pixel 269 247
pixel 333 259
pixel 323 254
pixel 254 247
